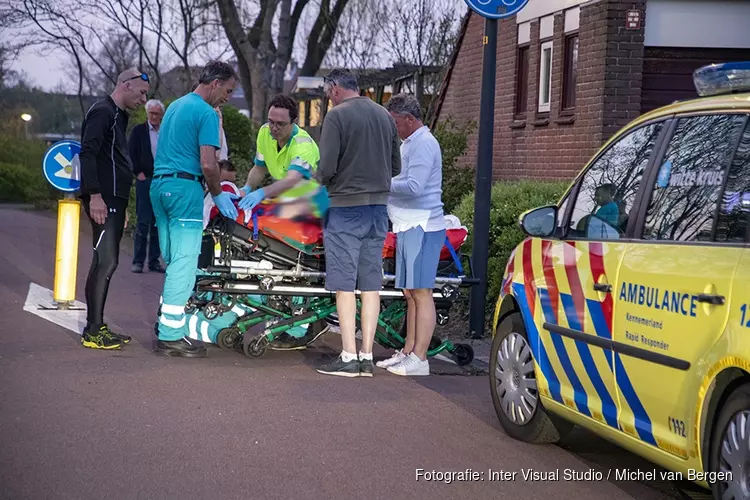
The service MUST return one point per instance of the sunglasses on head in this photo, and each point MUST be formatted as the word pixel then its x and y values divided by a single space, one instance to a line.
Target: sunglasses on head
pixel 142 76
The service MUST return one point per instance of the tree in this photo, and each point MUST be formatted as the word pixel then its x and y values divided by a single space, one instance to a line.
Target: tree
pixel 118 53
pixel 358 42
pixel 422 33
pixel 53 26
pixel 135 19
pixel 260 60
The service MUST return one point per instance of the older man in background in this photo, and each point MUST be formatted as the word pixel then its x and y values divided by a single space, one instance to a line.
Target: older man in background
pixel 142 150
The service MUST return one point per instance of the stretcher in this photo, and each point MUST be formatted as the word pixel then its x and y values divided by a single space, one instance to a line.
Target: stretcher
pixel 263 275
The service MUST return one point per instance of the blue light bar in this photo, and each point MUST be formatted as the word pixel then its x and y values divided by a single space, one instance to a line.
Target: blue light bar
pixel 725 78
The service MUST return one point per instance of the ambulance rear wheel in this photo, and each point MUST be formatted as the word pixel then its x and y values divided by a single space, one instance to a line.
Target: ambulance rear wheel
pixel 514 388
pixel 730 450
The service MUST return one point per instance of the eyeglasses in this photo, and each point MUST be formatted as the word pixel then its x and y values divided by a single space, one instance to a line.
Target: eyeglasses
pixel 142 76
pixel 274 124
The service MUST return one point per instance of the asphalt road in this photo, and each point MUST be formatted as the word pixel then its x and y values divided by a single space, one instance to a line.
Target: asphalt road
pixel 86 424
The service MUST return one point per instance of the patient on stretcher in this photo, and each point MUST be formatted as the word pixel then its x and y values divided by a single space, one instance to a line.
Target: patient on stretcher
pixel 301 209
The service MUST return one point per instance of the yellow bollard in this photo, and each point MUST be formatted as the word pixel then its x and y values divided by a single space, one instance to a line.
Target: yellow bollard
pixel 66 254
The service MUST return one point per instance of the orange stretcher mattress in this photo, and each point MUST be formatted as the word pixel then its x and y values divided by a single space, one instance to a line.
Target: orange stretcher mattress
pixel 308 234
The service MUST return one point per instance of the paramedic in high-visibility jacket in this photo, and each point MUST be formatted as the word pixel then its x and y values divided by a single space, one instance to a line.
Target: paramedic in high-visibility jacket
pixel 290 156
pixel 185 157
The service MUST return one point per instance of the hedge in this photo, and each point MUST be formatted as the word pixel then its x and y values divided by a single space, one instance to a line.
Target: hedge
pixel 21 174
pixel 457 181
pixel 509 201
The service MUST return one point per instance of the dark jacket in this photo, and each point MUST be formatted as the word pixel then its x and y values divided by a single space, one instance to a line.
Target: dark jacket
pixel 105 166
pixel 139 148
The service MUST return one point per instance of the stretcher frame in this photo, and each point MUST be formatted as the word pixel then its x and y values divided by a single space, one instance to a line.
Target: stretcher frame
pixel 239 279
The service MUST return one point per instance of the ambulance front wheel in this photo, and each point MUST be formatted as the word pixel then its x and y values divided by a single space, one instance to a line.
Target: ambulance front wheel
pixel 514 387
pixel 730 450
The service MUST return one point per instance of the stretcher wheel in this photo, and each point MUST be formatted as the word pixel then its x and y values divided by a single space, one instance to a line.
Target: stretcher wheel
pixel 211 311
pixel 463 354
pixel 228 338
pixel 254 341
pixel 256 347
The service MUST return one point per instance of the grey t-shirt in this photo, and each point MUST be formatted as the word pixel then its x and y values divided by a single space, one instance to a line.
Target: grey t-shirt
pixel 359 153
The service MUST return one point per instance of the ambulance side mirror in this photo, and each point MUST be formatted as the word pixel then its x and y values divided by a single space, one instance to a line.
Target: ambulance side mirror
pixel 539 222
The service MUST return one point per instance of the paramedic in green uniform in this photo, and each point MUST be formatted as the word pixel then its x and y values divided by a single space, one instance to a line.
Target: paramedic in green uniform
pixel 185 157
pixel 290 156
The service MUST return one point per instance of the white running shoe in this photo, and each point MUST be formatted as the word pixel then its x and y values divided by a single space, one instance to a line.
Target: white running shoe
pixel 397 357
pixel 411 366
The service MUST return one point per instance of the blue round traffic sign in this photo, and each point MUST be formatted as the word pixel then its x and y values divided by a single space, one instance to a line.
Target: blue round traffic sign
pixel 496 9
pixel 62 167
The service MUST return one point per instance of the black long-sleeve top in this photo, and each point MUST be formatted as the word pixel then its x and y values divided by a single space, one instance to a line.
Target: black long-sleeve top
pixel 105 166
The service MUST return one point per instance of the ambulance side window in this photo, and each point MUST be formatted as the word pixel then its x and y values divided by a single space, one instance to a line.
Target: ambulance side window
pixel 608 189
pixel 689 185
pixel 735 203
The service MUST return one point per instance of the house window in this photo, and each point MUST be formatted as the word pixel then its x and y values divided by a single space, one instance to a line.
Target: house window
pixel 570 73
pixel 522 80
pixel 545 77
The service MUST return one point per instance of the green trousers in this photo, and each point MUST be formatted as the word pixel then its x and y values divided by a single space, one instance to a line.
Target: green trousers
pixel 178 209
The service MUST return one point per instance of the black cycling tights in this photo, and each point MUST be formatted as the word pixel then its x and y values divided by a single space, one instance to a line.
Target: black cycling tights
pixel 106 256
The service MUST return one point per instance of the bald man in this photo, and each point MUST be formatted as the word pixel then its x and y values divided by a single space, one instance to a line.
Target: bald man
pixel 106 180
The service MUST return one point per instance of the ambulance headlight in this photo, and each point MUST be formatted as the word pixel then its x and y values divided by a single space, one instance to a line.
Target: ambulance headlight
pixel 725 78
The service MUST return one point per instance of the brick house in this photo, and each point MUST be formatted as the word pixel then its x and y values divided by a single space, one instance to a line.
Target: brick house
pixel 570 73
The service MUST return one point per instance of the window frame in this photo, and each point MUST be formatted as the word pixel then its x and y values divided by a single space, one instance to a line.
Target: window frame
pixel 543 46
pixel 569 76
pixel 522 84
pixel 649 180
pixel 658 152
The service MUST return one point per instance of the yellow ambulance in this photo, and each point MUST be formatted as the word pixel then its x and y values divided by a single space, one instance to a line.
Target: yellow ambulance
pixel 626 310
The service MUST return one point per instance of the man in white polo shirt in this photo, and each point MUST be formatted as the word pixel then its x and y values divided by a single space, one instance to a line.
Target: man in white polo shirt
pixel 415 208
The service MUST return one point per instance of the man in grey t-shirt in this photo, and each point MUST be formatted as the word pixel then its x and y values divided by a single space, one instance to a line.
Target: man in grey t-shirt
pixel 359 154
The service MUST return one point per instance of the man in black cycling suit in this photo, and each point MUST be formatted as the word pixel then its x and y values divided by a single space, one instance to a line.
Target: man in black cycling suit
pixel 106 180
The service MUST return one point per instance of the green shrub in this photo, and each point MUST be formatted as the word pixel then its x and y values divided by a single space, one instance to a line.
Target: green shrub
pixel 20 184
pixel 457 181
pixel 21 174
pixel 509 201
pixel 132 217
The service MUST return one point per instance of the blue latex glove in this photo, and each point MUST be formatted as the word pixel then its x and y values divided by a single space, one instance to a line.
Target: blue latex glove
pixel 246 189
pixel 224 203
pixel 251 200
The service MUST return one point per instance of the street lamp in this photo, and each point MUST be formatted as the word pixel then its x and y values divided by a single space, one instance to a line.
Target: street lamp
pixel 26 119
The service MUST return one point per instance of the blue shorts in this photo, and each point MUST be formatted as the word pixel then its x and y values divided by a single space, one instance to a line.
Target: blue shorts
pixel 353 239
pixel 417 257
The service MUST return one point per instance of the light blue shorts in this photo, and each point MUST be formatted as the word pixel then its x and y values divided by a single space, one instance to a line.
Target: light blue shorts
pixel 417 257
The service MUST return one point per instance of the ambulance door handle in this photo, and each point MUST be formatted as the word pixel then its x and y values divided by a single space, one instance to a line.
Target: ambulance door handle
pixel 717 300
pixel 603 287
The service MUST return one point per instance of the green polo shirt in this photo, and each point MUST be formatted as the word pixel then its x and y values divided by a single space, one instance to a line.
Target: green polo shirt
pixel 300 153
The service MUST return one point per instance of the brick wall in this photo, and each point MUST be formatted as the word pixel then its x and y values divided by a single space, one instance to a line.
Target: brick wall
pixel 461 100
pixel 624 66
pixel 552 145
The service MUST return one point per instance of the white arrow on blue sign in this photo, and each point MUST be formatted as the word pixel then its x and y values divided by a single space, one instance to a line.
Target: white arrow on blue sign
pixel 62 167
pixel 496 9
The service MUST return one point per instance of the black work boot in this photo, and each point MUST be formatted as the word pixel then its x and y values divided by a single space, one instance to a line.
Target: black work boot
pixel 184 347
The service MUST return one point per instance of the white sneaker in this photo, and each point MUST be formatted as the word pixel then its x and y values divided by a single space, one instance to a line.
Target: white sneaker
pixel 411 366
pixel 397 357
